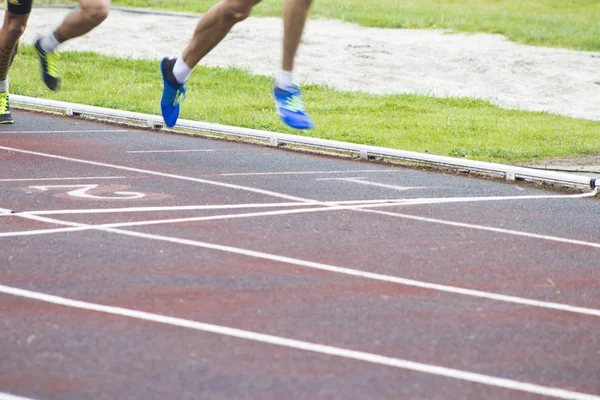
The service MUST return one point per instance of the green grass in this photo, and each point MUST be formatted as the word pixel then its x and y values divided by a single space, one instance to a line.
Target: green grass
pixel 571 24
pixel 459 127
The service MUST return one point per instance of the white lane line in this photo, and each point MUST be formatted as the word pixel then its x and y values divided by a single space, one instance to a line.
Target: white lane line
pixel 487 228
pixel 210 217
pixel 330 206
pixel 206 207
pixel 83 227
pixel 36 217
pixel 305 346
pixel 7 396
pixel 356 205
pixel 155 173
pixel 74 131
pixel 327 207
pixel 303 200
pixel 354 171
pixel 331 268
pixel 41 231
pixel 364 207
pixel 62 179
pixel 170 151
pixel 360 180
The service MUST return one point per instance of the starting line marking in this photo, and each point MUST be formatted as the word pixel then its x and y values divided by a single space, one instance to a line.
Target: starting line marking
pixel 326 267
pixel 305 346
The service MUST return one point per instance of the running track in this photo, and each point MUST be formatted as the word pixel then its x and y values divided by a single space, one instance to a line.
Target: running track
pixel 145 265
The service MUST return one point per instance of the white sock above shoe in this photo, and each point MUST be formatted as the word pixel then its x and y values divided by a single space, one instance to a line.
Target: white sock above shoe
pixel 181 71
pixel 48 43
pixel 4 86
pixel 285 79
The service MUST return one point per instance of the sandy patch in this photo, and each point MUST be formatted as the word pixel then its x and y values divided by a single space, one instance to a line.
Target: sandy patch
pixel 349 57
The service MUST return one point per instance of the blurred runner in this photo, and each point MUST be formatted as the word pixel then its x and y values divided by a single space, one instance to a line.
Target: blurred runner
pixel 89 15
pixel 15 20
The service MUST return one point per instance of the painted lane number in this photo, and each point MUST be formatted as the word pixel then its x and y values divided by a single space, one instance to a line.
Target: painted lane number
pixel 81 191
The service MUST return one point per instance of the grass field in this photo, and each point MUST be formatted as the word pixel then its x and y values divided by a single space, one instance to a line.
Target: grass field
pixel 560 23
pixel 457 127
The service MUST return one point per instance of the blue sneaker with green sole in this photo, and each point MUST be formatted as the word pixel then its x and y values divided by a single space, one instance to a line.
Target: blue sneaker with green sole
pixel 291 107
pixel 173 93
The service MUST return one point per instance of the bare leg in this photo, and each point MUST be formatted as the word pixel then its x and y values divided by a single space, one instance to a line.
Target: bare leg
pixel 295 13
pixel 12 29
pixel 214 26
pixel 90 14
pixel 288 98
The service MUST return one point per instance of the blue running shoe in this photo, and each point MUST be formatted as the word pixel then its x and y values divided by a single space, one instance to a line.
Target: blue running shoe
pixel 291 107
pixel 173 93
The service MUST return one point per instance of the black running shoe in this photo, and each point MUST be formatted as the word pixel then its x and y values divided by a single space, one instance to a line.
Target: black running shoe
pixel 5 115
pixel 48 61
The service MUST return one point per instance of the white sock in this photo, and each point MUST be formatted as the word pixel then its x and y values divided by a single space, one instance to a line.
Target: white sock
pixel 285 79
pixel 181 71
pixel 4 86
pixel 49 43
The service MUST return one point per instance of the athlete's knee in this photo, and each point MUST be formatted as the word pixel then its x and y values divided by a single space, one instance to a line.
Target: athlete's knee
pixel 96 12
pixel 239 10
pixel 15 25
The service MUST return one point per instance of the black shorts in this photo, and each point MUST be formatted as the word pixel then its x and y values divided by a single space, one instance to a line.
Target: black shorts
pixel 18 6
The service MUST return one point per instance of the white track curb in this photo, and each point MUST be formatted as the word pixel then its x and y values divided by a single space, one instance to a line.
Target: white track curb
pixel 275 139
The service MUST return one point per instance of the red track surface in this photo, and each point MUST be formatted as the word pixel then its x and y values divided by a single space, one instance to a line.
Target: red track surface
pixel 291 275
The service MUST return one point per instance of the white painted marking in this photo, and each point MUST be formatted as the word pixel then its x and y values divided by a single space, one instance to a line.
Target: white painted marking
pixel 42 231
pixel 219 217
pixel 362 181
pixel 288 197
pixel 330 268
pixel 157 222
pixel 448 200
pixel 331 206
pixel 82 192
pixel 355 171
pixel 302 345
pixel 153 222
pixel 145 171
pixel 488 229
pixel 207 207
pixel 169 151
pixel 7 396
pixel 61 179
pixel 75 131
